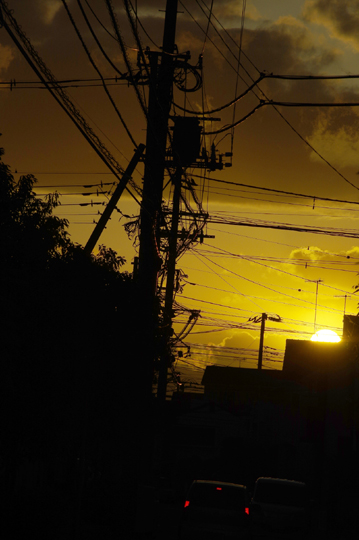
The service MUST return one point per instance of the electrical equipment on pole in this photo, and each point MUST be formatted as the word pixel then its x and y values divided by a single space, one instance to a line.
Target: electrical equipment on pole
pixel 172 152
pixel 159 103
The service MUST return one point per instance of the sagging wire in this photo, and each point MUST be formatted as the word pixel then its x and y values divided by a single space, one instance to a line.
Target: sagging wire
pixel 230 103
pixel 238 65
pixel 124 54
pixel 95 37
pixel 303 139
pixel 133 19
pixel 96 68
pixel 138 21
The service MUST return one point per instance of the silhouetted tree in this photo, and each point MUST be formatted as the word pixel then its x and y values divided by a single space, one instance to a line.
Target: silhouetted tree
pixel 67 327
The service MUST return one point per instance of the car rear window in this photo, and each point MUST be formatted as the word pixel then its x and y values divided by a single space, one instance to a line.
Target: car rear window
pixel 285 494
pixel 217 496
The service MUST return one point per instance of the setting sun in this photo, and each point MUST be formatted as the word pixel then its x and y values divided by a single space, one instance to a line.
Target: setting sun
pixel 326 335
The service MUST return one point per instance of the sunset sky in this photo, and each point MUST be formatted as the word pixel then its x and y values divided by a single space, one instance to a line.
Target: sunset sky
pixel 284 215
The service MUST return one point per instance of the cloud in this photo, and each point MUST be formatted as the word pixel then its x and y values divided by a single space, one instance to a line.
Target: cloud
pixel 340 17
pixel 317 259
pixel 335 134
pixel 49 9
pixel 353 252
pixel 186 41
pixel 230 12
pixel 6 56
pixel 288 46
pixel 238 346
pixel 238 339
pixel 310 254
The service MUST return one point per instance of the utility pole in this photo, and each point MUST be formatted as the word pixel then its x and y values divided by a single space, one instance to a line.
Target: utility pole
pixel 160 95
pixel 261 341
pixel 91 243
pixel 262 319
pixel 185 150
pixel 171 269
pixel 345 296
pixel 317 281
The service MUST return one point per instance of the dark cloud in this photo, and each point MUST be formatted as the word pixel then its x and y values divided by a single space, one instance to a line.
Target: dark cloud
pixel 288 47
pixel 341 17
pixel 6 57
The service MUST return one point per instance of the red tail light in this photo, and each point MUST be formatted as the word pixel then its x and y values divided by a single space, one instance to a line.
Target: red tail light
pixel 247 511
pixel 186 504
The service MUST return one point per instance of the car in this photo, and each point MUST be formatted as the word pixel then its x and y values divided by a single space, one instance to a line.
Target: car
pixel 215 510
pixel 279 504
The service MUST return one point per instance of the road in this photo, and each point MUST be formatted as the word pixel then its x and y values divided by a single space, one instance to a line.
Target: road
pixel 161 523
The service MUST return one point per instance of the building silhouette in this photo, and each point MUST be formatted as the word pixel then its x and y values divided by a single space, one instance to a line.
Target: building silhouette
pixel 300 422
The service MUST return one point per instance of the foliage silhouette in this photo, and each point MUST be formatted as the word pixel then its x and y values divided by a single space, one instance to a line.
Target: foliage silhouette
pixel 68 326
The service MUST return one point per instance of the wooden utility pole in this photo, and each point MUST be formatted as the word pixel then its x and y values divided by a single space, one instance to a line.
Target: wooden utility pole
pixel 171 269
pixel 316 281
pixel 105 216
pixel 160 97
pixel 261 341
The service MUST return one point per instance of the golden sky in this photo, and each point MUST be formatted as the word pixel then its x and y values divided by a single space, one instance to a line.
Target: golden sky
pixel 292 255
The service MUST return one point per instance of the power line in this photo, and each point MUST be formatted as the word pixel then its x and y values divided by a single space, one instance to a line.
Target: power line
pixel 96 68
pixel 273 105
pixel 310 77
pixel 96 39
pixel 284 104
pixel 252 259
pixel 207 315
pixel 46 76
pixel 13 84
pixel 223 279
pixel 99 21
pixel 297 262
pixel 244 195
pixel 271 301
pixel 100 184
pixel 131 18
pixel 222 107
pixel 330 231
pixel 278 243
pixel 124 54
pixel 71 194
pixel 65 173
pixel 197 23
pixel 280 191
pixel 256 283
pixel 310 104
pixel 237 123
pixel 239 63
pixel 284 203
pixel 144 30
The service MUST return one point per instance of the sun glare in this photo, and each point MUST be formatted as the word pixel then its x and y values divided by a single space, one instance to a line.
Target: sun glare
pixel 326 335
